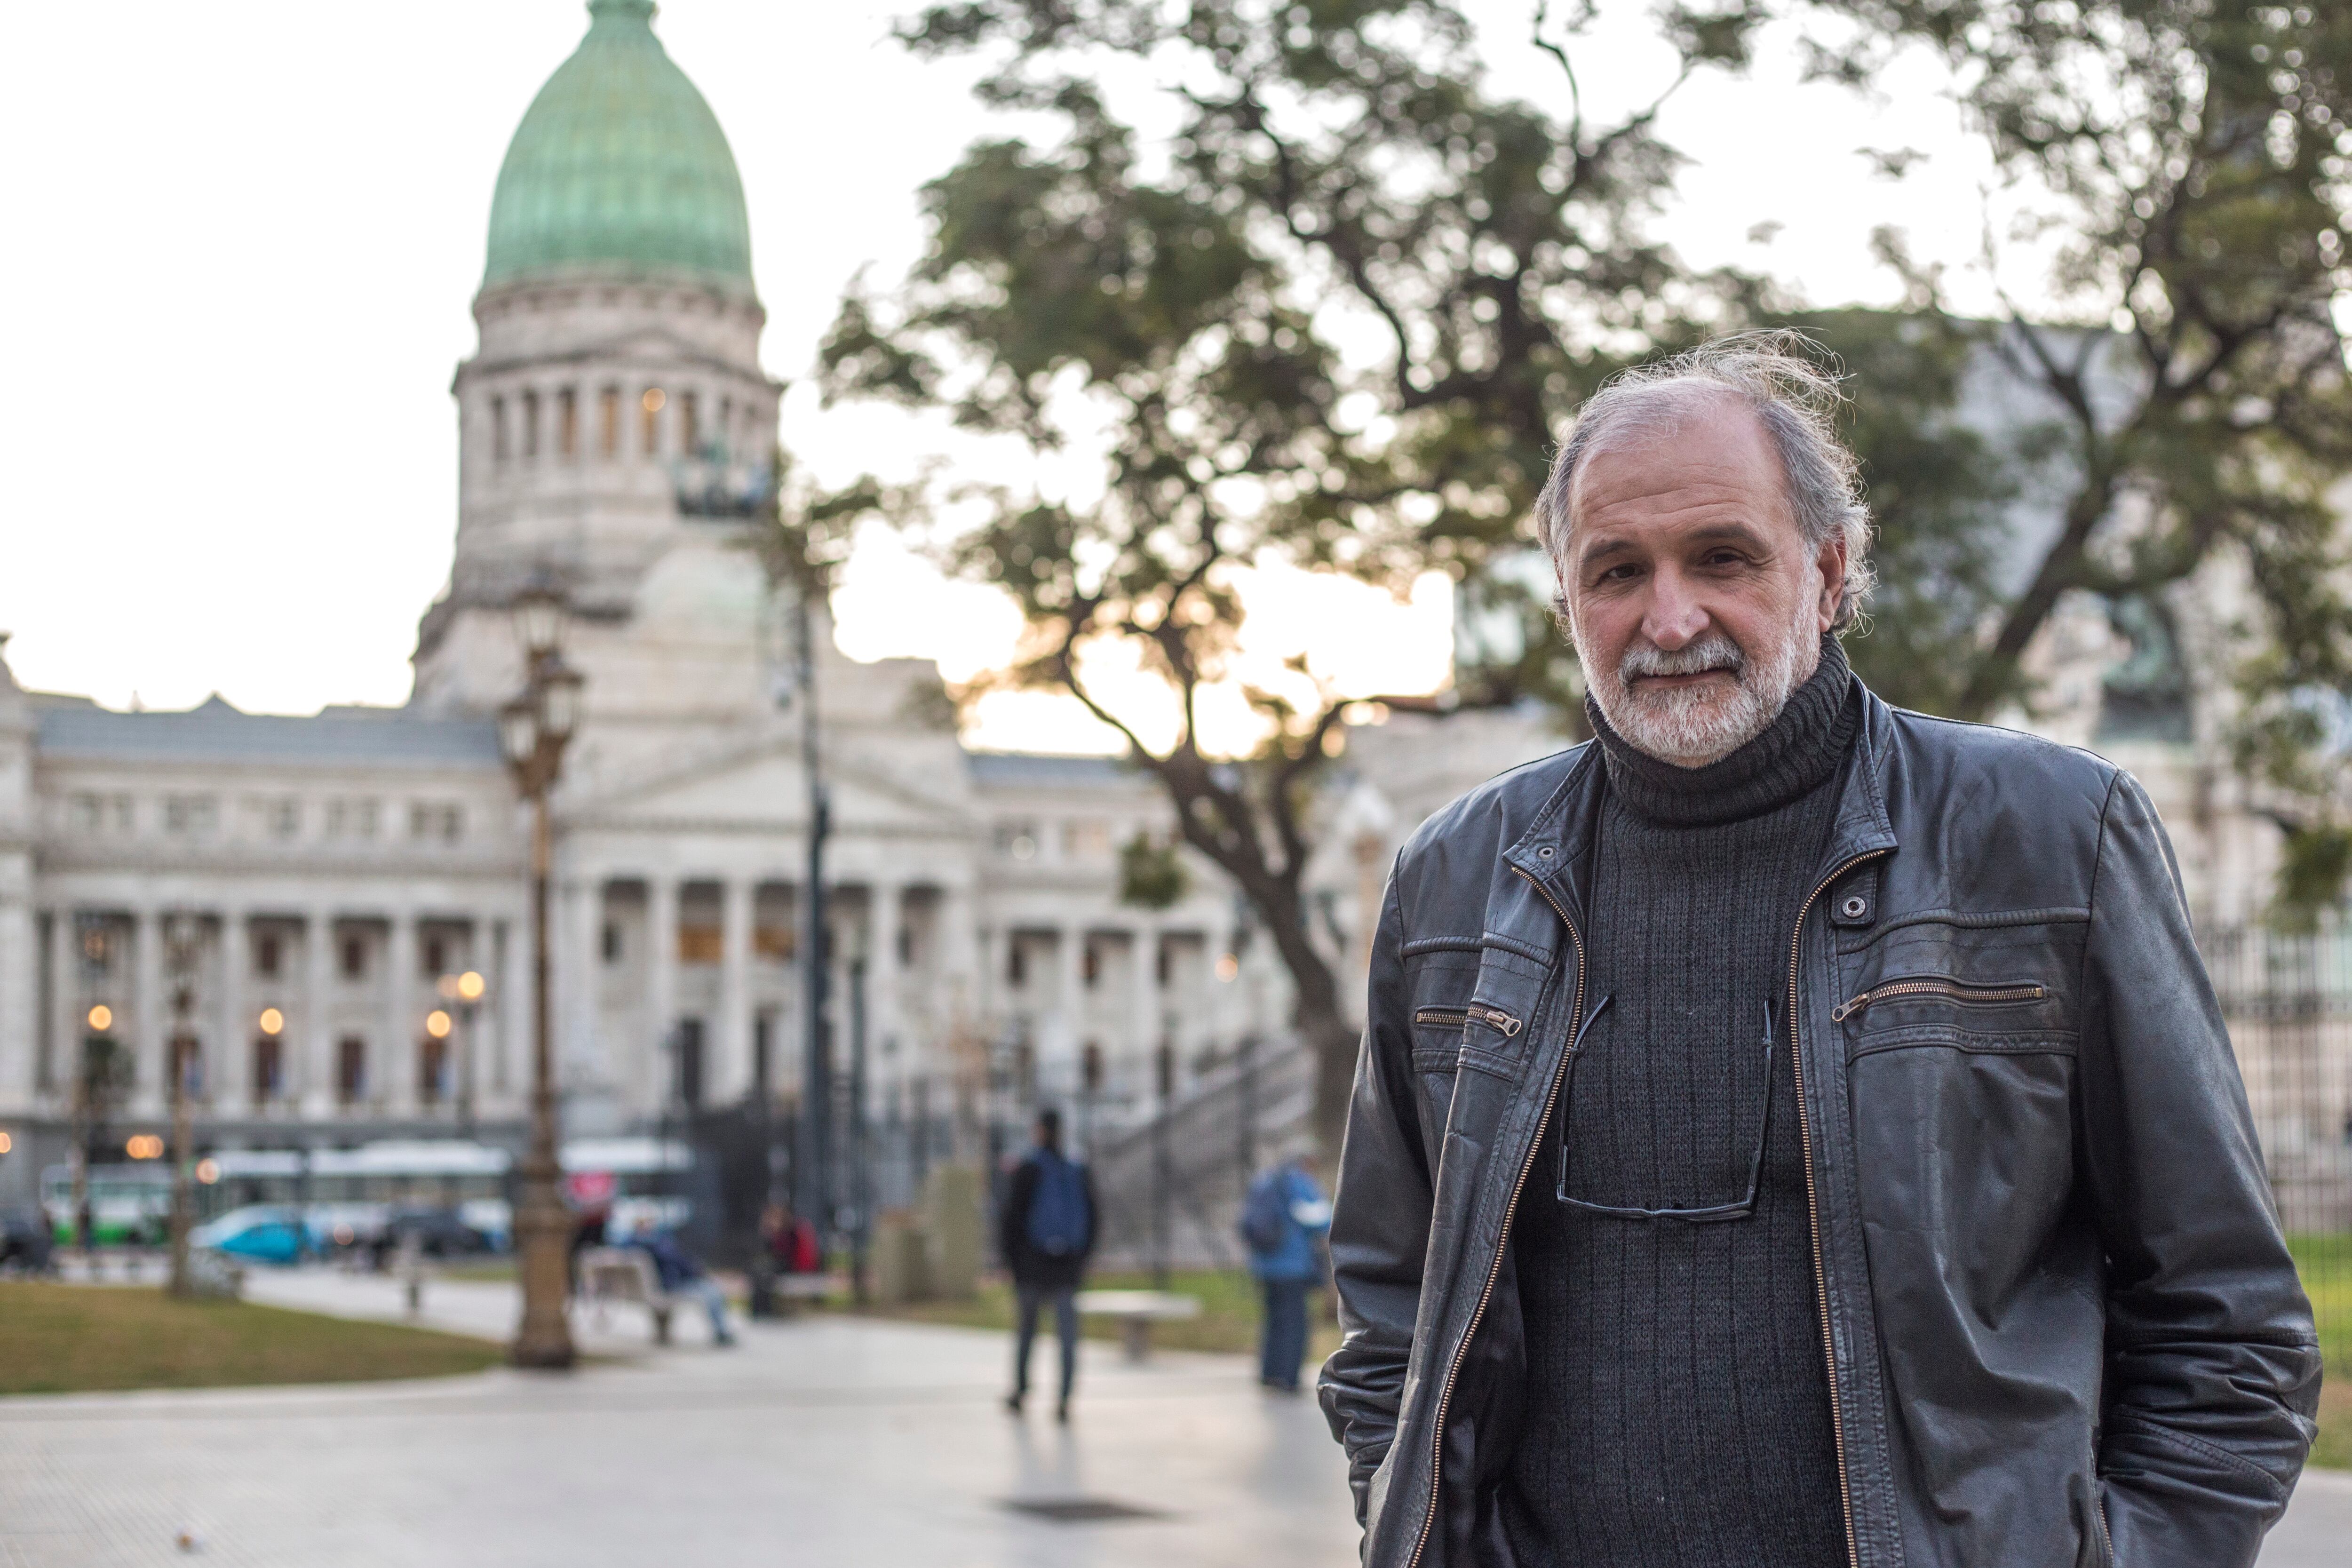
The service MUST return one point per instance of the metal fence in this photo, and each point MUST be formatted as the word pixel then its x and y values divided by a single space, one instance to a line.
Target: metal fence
pixel 1171 1186
pixel 2287 999
pixel 1171 1183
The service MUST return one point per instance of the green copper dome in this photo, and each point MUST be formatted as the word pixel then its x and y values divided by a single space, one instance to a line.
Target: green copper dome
pixel 619 161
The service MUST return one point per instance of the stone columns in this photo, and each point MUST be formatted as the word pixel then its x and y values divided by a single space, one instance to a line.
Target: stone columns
pixel 884 910
pixel 19 994
pixel 1069 947
pixel 148 1013
pixel 228 1068
pixel 397 1088
pixel 960 914
pixel 65 1001
pixel 1147 1000
pixel 728 1072
pixel 314 1076
pixel 579 983
pixel 661 989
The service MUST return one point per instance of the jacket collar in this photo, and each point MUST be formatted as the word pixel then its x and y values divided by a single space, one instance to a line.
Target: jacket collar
pixel 1554 851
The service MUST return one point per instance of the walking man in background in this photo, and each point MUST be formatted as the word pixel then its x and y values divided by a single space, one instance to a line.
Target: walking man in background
pixel 1790 1132
pixel 1046 1231
pixel 1283 1219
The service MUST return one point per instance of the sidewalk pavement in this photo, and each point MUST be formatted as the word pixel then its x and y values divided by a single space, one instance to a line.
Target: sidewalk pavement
pixel 819 1441
pixel 822 1440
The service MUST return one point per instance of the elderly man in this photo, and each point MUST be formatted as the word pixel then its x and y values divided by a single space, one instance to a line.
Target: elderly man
pixel 1792 1132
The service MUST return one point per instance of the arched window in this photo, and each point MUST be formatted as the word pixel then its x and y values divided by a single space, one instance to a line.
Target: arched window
pixel 499 448
pixel 567 423
pixel 725 426
pixel 531 424
pixel 608 421
pixel 690 427
pixel 649 432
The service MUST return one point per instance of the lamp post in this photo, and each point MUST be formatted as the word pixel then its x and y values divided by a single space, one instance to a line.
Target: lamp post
pixel 533 729
pixel 811 1171
pixel 465 992
pixel 180 941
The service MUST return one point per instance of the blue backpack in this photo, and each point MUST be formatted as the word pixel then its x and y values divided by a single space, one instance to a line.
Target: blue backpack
pixel 1266 1214
pixel 1058 1221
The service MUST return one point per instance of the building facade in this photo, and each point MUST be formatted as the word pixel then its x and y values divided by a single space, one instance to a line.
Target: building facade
pixel 290 907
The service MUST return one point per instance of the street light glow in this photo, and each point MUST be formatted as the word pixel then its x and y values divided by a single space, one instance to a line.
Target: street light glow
pixel 654 399
pixel 437 1024
pixel 7 1142
pixel 144 1146
pixel 209 1172
pixel 102 1017
pixel 272 1021
pixel 470 986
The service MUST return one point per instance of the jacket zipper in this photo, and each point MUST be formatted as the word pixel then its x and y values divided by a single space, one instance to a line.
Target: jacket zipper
pixel 1493 1017
pixel 1933 985
pixel 1495 1271
pixel 1814 1206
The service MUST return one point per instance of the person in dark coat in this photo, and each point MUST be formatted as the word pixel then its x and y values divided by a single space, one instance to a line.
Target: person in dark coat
pixel 1046 1231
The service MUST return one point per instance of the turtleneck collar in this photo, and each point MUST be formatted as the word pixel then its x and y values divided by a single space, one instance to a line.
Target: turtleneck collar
pixel 1801 748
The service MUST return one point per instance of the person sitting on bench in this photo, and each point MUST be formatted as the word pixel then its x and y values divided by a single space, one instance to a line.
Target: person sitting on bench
pixel 681 1274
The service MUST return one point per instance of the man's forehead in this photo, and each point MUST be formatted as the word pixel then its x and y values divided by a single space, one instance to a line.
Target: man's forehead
pixel 1706 465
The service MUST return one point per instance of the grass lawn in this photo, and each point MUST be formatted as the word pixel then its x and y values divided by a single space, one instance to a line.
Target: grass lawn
pixel 73 1339
pixel 1228 1319
pixel 2326 1262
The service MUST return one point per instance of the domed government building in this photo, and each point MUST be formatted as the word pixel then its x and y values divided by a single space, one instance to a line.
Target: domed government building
pixel 329 916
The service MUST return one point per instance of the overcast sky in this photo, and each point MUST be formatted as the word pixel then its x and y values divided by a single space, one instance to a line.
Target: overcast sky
pixel 243 240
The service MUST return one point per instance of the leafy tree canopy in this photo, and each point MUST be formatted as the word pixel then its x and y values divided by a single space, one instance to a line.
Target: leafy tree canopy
pixel 2186 165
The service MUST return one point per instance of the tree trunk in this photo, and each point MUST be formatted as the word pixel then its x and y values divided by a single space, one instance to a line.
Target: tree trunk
pixel 1321 1022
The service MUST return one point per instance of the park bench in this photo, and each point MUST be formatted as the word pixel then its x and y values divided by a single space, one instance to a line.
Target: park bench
pixel 1135 1312
pixel 609 1273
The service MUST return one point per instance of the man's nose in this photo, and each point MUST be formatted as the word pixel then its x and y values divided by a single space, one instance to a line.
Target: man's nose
pixel 1673 617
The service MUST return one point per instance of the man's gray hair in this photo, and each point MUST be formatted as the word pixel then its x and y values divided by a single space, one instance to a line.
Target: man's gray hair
pixel 1797 401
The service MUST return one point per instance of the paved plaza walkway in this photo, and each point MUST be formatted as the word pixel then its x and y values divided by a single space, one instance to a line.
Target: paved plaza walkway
pixel 820 1441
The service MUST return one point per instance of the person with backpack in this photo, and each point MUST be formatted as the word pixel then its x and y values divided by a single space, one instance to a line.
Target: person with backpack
pixel 1046 1230
pixel 1283 1221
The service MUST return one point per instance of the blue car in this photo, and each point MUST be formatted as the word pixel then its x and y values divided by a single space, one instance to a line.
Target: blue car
pixel 259 1233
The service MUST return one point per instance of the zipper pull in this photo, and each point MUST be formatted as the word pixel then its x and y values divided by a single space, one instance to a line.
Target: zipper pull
pixel 1844 1010
pixel 1496 1018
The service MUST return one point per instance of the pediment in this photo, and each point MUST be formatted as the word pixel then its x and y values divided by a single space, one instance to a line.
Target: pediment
pixel 761 785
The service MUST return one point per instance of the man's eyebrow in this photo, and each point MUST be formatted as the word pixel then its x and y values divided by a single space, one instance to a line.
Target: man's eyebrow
pixel 1605 545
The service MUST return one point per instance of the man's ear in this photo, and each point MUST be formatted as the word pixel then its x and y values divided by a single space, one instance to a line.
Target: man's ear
pixel 1829 562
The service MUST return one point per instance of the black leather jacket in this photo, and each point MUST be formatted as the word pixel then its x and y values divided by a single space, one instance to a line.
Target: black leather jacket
pixel 2060 1321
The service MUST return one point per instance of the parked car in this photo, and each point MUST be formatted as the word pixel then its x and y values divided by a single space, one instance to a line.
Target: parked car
pixel 439 1233
pixel 261 1233
pixel 25 1240
pixel 338 1229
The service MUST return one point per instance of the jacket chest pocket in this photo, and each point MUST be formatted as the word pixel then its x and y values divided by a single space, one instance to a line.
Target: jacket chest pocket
pixel 1972 987
pixel 1472 1010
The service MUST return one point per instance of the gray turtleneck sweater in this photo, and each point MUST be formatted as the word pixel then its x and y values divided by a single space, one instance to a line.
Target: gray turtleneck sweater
pixel 1678 1407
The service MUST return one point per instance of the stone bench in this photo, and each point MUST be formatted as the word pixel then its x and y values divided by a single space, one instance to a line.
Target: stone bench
pixel 1135 1312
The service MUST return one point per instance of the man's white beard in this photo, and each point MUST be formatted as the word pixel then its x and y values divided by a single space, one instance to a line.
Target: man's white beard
pixel 1692 726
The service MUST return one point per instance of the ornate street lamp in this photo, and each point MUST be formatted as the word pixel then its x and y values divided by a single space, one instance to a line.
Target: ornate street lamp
pixel 534 731
pixel 464 989
pixel 182 938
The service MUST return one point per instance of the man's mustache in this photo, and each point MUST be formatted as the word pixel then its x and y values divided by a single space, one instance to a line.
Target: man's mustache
pixel 1711 652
